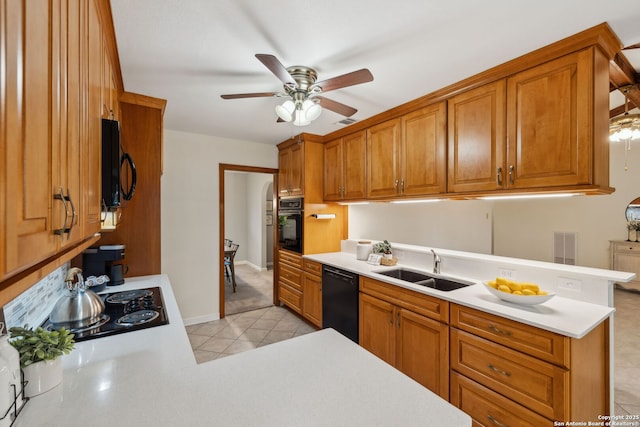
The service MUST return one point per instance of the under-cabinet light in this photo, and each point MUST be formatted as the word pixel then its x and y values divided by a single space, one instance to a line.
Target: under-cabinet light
pixel 415 201
pixel 530 196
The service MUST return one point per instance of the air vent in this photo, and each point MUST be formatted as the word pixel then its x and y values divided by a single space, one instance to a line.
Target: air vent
pixel 346 122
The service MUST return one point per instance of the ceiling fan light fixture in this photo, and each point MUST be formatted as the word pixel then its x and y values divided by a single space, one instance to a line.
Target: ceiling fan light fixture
pixel 301 118
pixel 625 128
pixel 286 110
pixel 312 110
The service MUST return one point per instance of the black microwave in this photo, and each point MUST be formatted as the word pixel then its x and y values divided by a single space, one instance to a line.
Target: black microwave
pixel 117 168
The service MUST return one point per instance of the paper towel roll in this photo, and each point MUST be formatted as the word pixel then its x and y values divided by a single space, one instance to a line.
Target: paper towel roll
pixel 363 249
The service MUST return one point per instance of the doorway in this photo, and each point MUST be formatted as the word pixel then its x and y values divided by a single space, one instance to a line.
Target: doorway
pixel 246 202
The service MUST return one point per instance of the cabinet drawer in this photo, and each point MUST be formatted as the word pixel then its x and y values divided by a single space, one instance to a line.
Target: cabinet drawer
pixel 312 267
pixel 524 379
pixel 536 342
pixel 627 247
pixel 291 297
pixel 488 408
pixel 291 276
pixel 291 258
pixel 426 305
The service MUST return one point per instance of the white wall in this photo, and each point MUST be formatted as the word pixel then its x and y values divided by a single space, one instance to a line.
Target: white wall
pixel 236 211
pixel 257 185
pixel 190 214
pixel 524 229
pixel 519 228
pixel 451 224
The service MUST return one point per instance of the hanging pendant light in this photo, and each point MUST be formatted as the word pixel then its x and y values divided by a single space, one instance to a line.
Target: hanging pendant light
pixel 625 128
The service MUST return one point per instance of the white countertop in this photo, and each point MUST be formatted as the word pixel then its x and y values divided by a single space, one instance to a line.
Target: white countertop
pixel 150 378
pixel 562 315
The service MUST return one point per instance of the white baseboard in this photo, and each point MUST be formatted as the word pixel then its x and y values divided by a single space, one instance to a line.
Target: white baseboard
pixel 201 319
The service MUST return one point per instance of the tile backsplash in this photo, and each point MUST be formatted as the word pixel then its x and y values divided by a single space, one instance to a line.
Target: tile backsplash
pixel 31 308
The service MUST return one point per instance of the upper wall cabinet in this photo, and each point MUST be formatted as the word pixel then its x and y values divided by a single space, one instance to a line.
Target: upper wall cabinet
pixel 550 122
pixel 344 168
pixel 50 146
pixel 477 139
pixel 534 130
pixel 407 156
pixel 535 124
pixel 291 176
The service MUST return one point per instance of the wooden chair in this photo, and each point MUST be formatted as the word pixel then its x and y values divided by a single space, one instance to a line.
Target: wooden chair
pixel 229 268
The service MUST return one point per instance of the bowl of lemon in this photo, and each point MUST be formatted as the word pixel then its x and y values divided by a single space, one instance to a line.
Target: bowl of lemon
pixel 524 293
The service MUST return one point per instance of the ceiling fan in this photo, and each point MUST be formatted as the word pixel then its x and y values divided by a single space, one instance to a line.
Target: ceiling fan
pixel 305 102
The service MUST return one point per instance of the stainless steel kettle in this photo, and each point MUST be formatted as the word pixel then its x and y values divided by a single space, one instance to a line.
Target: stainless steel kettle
pixel 80 308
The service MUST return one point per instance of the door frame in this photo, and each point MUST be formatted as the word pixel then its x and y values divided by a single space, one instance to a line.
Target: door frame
pixel 222 168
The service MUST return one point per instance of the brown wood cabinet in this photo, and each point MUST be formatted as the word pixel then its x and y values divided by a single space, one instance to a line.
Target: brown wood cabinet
pixel 51 196
pixel 536 124
pixel 625 256
pixel 532 130
pixel 344 168
pixel 527 372
pixel 407 156
pixel 477 139
pixel 383 160
pixel 412 341
pixel 291 164
pixel 290 280
pixel 312 292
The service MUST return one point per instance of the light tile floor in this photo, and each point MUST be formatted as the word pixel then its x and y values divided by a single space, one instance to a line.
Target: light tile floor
pixel 243 331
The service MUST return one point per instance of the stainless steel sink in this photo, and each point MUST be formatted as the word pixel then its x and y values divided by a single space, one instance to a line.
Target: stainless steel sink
pixel 431 281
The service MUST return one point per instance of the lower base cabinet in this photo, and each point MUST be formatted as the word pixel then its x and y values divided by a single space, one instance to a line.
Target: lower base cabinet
pixel 507 373
pixel 500 372
pixel 300 286
pixel 414 343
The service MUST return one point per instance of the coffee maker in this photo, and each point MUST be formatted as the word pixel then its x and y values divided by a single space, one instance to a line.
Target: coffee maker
pixel 107 259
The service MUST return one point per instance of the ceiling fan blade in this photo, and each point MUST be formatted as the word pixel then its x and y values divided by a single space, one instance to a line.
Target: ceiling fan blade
pixel 633 46
pixel 336 106
pixel 349 79
pixel 250 95
pixel 276 67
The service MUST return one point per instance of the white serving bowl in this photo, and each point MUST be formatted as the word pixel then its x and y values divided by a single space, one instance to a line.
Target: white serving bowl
pixel 519 299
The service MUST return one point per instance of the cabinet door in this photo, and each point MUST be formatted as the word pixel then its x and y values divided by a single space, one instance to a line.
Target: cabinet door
pixel 69 115
pixel 312 298
pixel 477 143
pixel 423 349
pixel 377 328
pixel 28 146
pixel 383 163
pixel 354 156
pixel 284 171
pixel 550 123
pixel 423 154
pixel 92 163
pixel 333 164
pixel 296 180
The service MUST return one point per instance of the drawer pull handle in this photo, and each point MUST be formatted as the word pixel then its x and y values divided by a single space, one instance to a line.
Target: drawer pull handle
pixel 498 371
pixel 499 331
pixel 496 422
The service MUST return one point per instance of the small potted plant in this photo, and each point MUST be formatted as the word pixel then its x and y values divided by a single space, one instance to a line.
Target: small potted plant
pixel 40 352
pixel 383 248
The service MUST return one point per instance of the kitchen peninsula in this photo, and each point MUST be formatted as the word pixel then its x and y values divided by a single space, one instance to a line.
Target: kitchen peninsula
pixel 493 359
pixel 150 377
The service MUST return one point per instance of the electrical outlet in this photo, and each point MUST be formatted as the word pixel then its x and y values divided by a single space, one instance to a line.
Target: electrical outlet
pixel 570 284
pixel 506 273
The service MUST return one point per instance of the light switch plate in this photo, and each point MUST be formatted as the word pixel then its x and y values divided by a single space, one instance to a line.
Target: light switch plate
pixel 570 284
pixel 506 273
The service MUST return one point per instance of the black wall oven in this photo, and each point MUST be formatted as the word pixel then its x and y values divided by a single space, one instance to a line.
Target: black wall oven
pixel 290 217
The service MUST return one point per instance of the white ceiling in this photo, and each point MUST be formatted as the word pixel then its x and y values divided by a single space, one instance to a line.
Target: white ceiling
pixel 190 52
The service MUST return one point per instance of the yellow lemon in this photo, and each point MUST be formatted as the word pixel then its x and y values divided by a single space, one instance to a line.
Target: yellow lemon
pixel 531 286
pixel 504 288
pixel 541 292
pixel 501 281
pixel 527 292
pixel 493 284
pixel 514 286
pixel 517 293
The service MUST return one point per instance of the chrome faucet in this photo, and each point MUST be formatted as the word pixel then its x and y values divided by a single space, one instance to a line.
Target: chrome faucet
pixel 436 262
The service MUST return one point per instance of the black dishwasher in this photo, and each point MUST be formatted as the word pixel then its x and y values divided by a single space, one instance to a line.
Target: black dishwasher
pixel 340 301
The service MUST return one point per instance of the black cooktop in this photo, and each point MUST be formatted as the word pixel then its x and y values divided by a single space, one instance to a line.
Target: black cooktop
pixel 125 311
